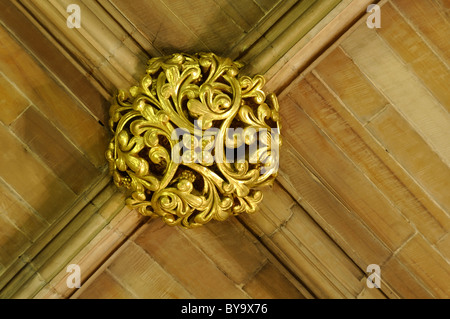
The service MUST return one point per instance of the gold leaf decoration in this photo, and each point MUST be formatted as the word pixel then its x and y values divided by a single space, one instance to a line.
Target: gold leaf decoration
pixel 194 141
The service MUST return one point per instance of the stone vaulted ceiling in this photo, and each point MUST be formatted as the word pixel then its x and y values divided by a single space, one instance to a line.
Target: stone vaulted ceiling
pixel 364 172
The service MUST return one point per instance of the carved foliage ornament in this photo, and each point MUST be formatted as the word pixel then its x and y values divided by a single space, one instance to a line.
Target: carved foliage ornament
pixel 194 140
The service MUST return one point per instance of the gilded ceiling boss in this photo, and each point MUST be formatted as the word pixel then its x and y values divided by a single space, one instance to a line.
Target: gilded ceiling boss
pixel 195 140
